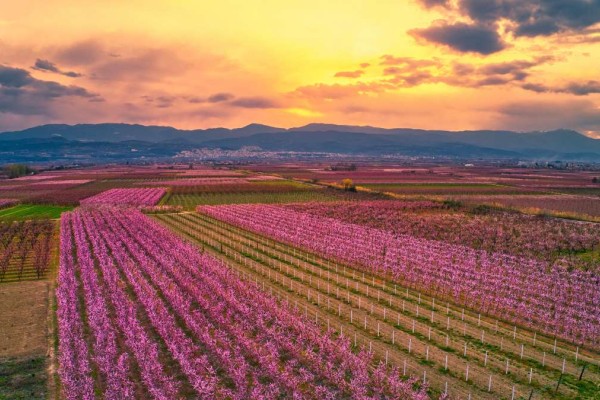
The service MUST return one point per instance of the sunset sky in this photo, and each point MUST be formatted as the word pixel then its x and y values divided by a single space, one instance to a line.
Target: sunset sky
pixel 435 64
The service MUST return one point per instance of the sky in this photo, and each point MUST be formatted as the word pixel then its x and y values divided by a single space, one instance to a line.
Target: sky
pixel 433 64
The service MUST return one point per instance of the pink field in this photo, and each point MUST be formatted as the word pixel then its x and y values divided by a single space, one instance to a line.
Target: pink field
pixel 36 177
pixel 197 182
pixel 209 173
pixel 132 285
pixel 126 197
pixel 516 289
pixel 264 178
pixel 7 202
pixel 64 182
pixel 552 239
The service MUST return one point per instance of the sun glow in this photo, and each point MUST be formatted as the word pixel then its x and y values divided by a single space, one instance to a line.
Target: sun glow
pixel 162 62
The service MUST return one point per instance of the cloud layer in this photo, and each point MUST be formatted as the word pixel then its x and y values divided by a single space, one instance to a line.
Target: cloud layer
pixel 480 31
pixel 452 64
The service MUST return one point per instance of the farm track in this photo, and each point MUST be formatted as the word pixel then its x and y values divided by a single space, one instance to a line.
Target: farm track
pixel 372 308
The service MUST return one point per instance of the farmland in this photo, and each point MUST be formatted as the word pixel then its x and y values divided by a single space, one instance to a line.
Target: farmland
pixel 32 211
pixel 25 249
pixel 280 191
pixel 422 334
pixel 190 201
pixel 277 281
pixel 566 204
pixel 448 189
pixel 126 197
pixel 552 239
pixel 152 324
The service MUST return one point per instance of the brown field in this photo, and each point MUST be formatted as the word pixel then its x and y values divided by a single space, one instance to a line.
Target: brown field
pixel 23 318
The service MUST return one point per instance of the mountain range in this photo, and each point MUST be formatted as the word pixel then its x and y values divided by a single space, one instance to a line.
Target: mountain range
pixel 109 141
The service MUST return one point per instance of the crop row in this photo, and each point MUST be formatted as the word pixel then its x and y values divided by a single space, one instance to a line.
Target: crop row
pixel 190 201
pixel 240 186
pixel 514 233
pixel 403 322
pixel 523 291
pixel 7 202
pixel 157 309
pixel 126 197
pixel 25 249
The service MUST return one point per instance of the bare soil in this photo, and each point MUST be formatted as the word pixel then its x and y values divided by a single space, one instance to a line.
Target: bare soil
pixel 24 319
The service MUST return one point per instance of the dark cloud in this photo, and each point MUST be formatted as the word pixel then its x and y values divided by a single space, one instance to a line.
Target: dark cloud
pixel 575 88
pixel 254 102
pixel 47 66
pixel 491 81
pixel 542 27
pixel 463 37
pixel 507 67
pixel 214 98
pixel 349 74
pixel 160 101
pixel 546 17
pixel 365 65
pixel 165 101
pixel 220 97
pixel 406 72
pixel 506 72
pixel 583 88
pixel 21 93
pixel 486 10
pixel 14 77
pixel 536 87
pixel 503 73
pixel 527 18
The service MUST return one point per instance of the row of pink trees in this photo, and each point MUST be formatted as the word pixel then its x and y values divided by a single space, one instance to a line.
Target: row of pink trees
pixel 7 202
pixel 126 197
pixel 23 242
pixel 154 304
pixel 550 239
pixel 526 291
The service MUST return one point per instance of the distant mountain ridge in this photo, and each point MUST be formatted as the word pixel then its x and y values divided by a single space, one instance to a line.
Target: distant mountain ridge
pixel 316 137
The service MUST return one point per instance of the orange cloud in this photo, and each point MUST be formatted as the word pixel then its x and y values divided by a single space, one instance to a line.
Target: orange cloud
pixel 194 65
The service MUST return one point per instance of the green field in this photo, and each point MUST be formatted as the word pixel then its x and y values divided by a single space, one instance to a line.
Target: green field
pixel 23 379
pixel 32 211
pixel 190 201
